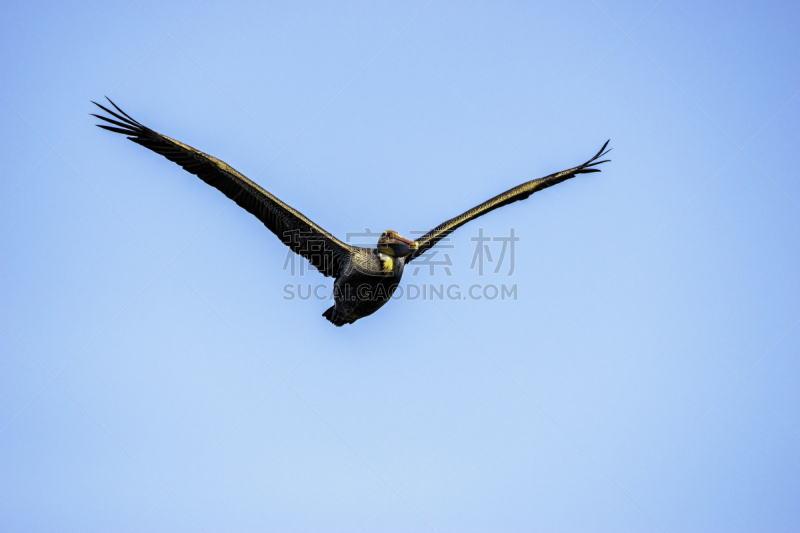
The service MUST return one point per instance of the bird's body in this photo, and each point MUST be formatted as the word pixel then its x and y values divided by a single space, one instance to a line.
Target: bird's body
pixel 365 278
pixel 365 286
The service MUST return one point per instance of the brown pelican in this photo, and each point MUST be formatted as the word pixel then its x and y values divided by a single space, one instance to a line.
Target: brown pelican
pixel 365 278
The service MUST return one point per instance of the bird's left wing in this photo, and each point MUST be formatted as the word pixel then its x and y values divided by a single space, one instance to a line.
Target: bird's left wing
pixel 520 192
pixel 327 253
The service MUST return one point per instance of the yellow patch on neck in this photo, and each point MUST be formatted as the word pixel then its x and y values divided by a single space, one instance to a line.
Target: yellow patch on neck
pixel 388 262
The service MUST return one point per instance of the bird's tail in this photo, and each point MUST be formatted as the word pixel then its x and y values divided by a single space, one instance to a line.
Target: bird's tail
pixel 335 318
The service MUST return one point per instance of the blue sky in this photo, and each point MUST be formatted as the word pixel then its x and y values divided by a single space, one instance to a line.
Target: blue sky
pixel 154 377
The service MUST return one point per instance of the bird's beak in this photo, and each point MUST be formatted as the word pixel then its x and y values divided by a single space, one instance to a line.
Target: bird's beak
pixel 402 246
pixel 411 244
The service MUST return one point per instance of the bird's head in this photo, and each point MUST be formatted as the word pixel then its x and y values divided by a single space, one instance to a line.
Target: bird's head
pixel 391 243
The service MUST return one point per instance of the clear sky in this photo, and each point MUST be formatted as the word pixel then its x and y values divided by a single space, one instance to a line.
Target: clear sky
pixel 155 376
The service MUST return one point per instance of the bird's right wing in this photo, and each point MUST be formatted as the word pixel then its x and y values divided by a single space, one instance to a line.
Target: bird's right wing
pixel 520 192
pixel 327 253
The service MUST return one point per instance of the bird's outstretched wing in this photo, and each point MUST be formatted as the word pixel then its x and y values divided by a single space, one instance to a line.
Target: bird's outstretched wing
pixel 328 254
pixel 520 192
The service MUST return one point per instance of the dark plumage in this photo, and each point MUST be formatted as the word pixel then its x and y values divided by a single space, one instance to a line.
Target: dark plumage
pixel 365 277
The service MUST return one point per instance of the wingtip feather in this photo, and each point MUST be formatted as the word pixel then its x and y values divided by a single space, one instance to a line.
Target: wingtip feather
pixel 123 112
pixel 116 130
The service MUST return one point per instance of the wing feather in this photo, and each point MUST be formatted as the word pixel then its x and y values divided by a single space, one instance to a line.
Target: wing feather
pixel 520 192
pixel 327 253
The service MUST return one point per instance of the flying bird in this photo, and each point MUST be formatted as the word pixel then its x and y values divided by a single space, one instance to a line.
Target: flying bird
pixel 365 278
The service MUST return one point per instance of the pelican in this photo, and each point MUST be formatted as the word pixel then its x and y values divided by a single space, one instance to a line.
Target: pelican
pixel 365 278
